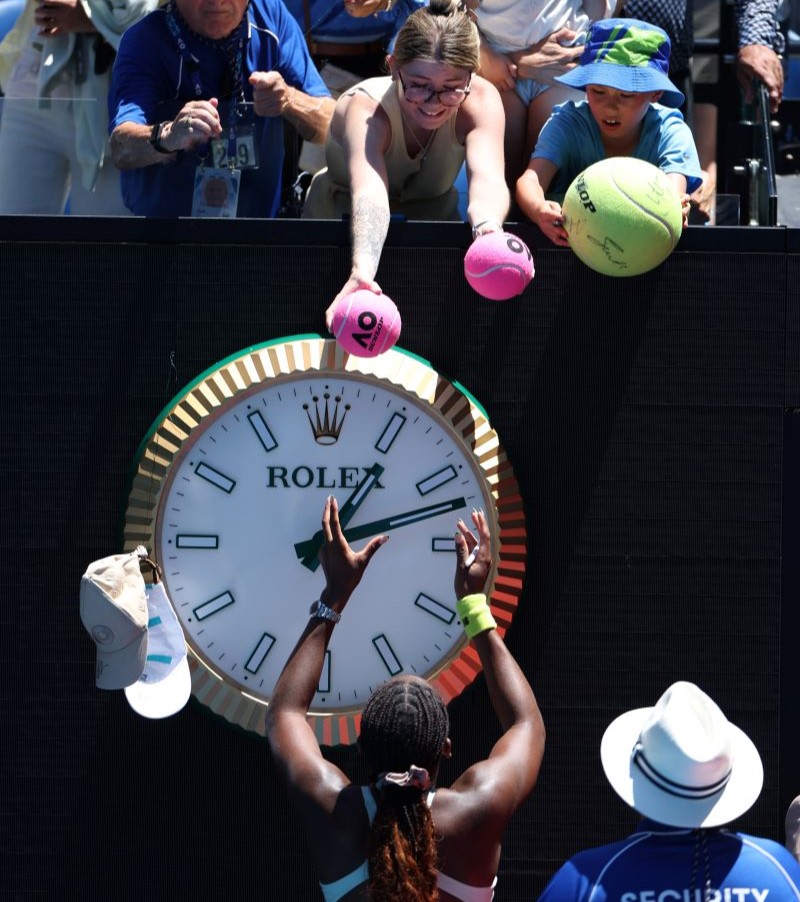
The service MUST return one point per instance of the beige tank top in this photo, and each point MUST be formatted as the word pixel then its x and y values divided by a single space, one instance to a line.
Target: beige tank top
pixel 421 188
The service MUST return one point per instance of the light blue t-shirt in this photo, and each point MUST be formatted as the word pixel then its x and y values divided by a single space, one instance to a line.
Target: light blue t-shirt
pixel 667 864
pixel 571 140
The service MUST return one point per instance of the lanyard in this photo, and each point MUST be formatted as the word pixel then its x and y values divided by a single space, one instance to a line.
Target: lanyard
pixel 234 48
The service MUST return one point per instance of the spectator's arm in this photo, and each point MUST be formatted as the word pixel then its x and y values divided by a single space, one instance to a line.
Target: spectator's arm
pixel 196 123
pixel 364 132
pixel 482 118
pixel 760 42
pixel 531 188
pixel 310 116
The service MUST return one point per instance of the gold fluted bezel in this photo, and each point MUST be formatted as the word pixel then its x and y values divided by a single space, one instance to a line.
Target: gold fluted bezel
pixel 227 382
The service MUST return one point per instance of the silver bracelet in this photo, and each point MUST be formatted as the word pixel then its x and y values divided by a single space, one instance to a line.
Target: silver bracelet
pixel 481 224
pixel 321 611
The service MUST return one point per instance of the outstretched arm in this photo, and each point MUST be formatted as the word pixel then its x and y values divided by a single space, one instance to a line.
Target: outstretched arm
pixel 503 781
pixel 547 214
pixel 364 133
pixel 482 120
pixel 293 743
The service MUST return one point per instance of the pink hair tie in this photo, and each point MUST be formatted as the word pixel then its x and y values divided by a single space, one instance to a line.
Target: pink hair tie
pixel 413 778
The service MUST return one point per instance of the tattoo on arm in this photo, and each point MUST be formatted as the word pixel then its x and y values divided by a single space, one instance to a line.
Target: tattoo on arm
pixel 369 226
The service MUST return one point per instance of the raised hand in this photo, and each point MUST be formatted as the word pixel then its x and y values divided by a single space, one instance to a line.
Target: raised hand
pixel 343 567
pixel 473 556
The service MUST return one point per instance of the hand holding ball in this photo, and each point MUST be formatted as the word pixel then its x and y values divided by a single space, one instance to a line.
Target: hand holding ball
pixel 623 216
pixel 366 324
pixel 498 265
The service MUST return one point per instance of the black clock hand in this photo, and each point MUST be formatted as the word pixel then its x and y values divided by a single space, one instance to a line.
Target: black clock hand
pixel 308 550
pixel 388 523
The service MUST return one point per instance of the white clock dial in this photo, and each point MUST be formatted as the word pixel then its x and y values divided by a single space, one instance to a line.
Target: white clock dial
pixel 251 488
pixel 229 493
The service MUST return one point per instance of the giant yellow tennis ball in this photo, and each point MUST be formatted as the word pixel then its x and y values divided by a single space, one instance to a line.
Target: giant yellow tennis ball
pixel 623 216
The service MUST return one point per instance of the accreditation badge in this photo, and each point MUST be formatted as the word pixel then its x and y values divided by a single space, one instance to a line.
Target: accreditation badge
pixel 216 192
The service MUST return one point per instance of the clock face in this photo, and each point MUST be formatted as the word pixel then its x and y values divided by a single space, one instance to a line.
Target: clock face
pixel 234 478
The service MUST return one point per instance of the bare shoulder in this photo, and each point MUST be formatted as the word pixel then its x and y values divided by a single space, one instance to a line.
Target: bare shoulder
pixel 471 831
pixel 357 113
pixel 474 801
pixel 483 108
pixel 482 92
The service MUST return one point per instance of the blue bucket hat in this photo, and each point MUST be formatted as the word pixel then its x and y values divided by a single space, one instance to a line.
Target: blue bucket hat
pixel 628 55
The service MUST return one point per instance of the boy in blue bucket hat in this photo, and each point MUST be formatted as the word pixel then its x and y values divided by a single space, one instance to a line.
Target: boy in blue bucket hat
pixel 630 110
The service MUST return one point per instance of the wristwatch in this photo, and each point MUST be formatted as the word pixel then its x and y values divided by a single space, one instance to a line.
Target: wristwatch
pixel 322 612
pixel 155 138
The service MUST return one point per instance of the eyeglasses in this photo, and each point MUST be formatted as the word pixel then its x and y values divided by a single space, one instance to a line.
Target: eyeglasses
pixel 419 94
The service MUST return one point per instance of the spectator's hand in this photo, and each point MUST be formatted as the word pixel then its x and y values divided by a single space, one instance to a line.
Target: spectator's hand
pixel 61 17
pixel 271 94
pixel 343 567
pixel 761 62
pixel 549 57
pixel 470 579
pixel 550 219
pixel 686 206
pixel 703 198
pixel 196 123
pixel 360 9
pixel 353 284
pixel 497 68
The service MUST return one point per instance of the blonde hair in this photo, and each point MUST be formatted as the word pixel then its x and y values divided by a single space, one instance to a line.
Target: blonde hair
pixel 441 32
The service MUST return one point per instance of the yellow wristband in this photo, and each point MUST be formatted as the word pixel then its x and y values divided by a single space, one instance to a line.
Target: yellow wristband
pixel 475 615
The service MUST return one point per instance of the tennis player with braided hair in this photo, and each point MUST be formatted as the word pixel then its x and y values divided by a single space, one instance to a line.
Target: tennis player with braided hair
pixel 400 839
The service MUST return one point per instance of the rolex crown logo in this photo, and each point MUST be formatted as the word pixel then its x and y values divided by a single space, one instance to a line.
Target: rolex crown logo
pixel 326 422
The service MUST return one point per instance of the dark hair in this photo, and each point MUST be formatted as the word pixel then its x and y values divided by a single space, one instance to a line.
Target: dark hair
pixel 441 32
pixel 404 723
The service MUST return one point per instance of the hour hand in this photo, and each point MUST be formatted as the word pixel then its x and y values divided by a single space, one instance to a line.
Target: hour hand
pixel 307 551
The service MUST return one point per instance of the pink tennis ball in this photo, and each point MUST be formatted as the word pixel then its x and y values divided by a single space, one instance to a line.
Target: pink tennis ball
pixel 498 265
pixel 366 324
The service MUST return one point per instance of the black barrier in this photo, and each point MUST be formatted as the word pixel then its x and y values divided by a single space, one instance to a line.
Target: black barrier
pixel 644 418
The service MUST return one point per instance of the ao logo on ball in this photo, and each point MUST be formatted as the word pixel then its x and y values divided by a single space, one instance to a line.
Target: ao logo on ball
pixel 366 324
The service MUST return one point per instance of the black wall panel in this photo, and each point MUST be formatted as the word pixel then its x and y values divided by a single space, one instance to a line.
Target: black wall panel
pixel 644 418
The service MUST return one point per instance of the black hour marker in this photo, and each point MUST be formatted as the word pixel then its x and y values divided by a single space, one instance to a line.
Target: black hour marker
pixel 220 480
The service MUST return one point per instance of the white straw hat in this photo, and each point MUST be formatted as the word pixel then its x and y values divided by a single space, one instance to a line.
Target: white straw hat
pixel 681 762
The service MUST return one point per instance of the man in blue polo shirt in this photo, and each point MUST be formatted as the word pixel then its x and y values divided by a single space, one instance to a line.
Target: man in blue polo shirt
pixel 199 92
pixel 688 770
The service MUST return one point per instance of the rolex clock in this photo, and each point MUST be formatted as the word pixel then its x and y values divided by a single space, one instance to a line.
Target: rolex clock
pixel 228 492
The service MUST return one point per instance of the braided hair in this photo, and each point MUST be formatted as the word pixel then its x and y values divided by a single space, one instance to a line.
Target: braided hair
pixel 404 724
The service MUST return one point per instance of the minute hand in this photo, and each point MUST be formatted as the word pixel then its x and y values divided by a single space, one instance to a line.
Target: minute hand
pixel 397 520
pixel 308 550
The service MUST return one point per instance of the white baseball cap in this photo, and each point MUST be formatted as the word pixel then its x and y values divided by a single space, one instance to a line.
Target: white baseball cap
pixel 682 762
pixel 114 612
pixel 165 684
